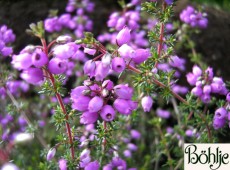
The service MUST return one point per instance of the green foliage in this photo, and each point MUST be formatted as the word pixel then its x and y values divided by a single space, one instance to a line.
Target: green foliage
pixel 36 30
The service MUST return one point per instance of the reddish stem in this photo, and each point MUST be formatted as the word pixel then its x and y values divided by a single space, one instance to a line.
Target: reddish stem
pixel 51 44
pixel 60 101
pixel 160 44
pixel 159 84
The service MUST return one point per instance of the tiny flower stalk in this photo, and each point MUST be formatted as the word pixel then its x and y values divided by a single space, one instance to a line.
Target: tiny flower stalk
pixel 60 101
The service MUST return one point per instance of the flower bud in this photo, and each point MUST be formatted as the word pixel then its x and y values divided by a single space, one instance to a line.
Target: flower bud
pixel 141 55
pixel 92 166
pixel 221 113
pixel 118 64
pixel 63 39
pixel 57 66
pixel 22 61
pixel 191 78
pixel 104 93
pixel 88 117
pixel 163 113
pixel 228 97
pixel 51 154
pixel 95 104
pixel 107 84
pixel 123 91
pixel 106 60
pixel 125 51
pixel 89 51
pixel 32 75
pixel 101 72
pixel 107 113
pixel 39 58
pixel 135 134
pixel 122 106
pixel 62 164
pixel 147 103
pixel 81 103
pixel 123 37
pixel 197 91
pixel 65 51
pixel 196 71
pixel 218 123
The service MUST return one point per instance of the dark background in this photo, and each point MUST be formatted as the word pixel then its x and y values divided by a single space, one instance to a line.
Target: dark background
pixel 213 43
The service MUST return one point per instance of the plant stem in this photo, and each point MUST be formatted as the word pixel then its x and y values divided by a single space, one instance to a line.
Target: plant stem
pixel 166 147
pixel 159 84
pixel 14 101
pixel 60 101
pixel 160 44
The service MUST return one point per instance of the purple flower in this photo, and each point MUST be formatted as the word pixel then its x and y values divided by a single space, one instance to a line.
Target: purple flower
pixel 196 71
pixel 32 75
pixel 78 91
pixel 123 91
pixel 22 61
pixel 132 147
pixel 221 113
pixel 95 104
pixel 228 97
pixel 107 113
pixel 62 164
pixel 88 117
pixel 189 133
pixel 81 103
pixel 127 153
pixel 122 106
pixel 92 166
pixel 89 68
pixel 65 51
pixel 163 113
pixel 135 134
pixel 84 158
pixel 126 51
pixel 209 72
pixel 123 37
pixel 119 163
pixel 191 78
pixel 57 66
pixel 197 91
pixel 39 58
pixel 207 89
pixel 89 51
pixel 101 72
pixel 51 154
pixel 218 123
pixel 106 59
pixel 141 55
pixel 118 64
pixel 108 84
pixel 146 103
pixel 206 98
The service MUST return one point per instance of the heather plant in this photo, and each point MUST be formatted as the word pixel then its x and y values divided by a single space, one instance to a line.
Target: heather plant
pixel 108 101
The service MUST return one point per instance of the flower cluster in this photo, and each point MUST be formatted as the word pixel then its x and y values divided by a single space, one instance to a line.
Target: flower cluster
pixel 102 99
pixel 205 83
pixel 222 114
pixel 32 59
pixel 194 18
pixel 6 36
pixel 15 87
pixel 78 23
